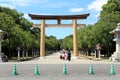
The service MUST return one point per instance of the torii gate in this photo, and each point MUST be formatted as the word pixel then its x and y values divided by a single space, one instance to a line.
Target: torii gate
pixel 58 18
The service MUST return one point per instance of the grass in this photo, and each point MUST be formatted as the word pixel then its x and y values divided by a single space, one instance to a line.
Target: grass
pixel 14 59
pixel 93 57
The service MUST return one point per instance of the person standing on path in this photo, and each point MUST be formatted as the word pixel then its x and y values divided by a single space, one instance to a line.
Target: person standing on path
pixel 68 55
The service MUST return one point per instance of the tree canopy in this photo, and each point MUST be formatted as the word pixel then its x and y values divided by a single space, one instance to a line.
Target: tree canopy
pixel 100 31
pixel 18 30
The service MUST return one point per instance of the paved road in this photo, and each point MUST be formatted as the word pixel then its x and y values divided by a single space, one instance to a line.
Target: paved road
pixel 54 72
pixel 51 69
pixel 54 59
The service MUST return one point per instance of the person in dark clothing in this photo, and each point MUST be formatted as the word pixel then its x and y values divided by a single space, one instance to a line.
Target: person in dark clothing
pixel 4 58
pixel 68 55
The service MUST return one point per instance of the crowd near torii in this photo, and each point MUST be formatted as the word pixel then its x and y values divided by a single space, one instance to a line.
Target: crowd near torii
pixel 65 55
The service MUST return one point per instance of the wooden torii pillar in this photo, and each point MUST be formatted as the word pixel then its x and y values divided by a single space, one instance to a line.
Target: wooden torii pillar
pixel 42 42
pixel 58 18
pixel 75 39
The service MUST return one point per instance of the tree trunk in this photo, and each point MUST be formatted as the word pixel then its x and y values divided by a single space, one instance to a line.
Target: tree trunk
pixel 23 54
pixel 26 53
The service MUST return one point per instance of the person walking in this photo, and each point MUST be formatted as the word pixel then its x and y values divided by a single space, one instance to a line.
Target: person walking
pixel 69 55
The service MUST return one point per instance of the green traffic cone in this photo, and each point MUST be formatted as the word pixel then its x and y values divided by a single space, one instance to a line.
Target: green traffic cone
pixel 36 72
pixel 14 70
pixel 112 71
pixel 64 70
pixel 90 70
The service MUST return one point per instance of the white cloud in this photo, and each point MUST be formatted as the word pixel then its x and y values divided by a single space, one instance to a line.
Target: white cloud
pixel 27 2
pixel 97 15
pixel 97 5
pixel 76 9
pixel 7 5
pixel 20 2
pixel 24 2
pixel 42 3
pixel 26 16
pixel 57 4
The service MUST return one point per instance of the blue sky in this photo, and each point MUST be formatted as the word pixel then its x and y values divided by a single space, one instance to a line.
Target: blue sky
pixel 57 7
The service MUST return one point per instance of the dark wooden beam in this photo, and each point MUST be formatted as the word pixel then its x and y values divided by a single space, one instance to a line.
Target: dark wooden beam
pixel 58 17
pixel 58 21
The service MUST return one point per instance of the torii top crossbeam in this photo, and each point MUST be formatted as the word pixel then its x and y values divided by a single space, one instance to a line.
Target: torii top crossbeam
pixel 58 17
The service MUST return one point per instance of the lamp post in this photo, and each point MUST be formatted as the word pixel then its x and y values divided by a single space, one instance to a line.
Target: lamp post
pixel 98 53
pixel 1 38
pixel 18 49
pixel 116 55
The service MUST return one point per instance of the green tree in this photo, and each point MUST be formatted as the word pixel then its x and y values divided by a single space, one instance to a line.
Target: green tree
pixel 51 43
pixel 85 37
pixel 18 31
pixel 109 17
pixel 67 42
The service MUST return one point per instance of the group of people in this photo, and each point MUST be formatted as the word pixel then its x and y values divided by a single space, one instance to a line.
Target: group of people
pixel 65 55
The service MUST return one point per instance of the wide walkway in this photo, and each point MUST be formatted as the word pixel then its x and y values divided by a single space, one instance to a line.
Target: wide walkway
pixel 51 69
pixel 54 59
